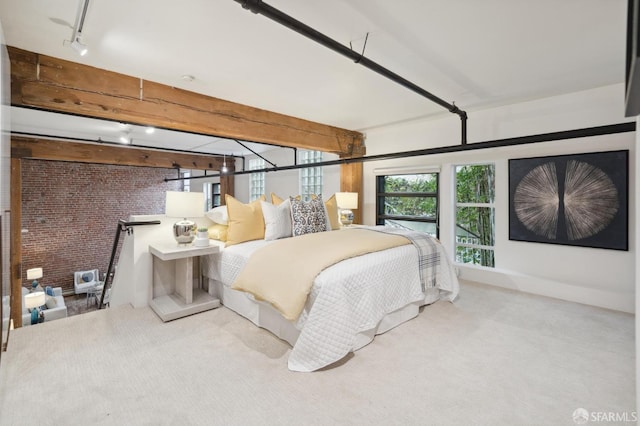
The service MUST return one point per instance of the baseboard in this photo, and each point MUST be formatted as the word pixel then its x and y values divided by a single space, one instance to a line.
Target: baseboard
pixel 617 301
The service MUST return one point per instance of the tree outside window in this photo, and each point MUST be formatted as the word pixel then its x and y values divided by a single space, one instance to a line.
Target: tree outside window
pixel 408 201
pixel 475 214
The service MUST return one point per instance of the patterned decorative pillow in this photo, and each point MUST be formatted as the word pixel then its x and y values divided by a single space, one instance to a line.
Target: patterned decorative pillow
pixel 308 216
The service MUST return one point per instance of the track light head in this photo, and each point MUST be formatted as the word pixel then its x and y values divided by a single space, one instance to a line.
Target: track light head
pixel 79 47
pixel 125 138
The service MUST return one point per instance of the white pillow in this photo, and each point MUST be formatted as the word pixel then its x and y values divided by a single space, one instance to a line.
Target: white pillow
pixel 219 215
pixel 277 220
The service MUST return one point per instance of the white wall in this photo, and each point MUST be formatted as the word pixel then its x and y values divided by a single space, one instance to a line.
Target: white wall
pixel 593 276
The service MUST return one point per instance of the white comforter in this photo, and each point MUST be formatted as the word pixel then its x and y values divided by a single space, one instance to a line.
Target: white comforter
pixel 346 299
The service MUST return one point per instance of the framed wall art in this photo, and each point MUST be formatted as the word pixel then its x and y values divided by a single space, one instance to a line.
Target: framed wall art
pixel 577 200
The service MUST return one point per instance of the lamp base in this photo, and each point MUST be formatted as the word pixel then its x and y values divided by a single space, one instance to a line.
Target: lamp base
pixel 184 231
pixel 346 217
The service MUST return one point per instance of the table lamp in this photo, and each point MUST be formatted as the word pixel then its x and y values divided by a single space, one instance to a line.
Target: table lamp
pixel 346 201
pixel 34 274
pixel 33 301
pixel 185 205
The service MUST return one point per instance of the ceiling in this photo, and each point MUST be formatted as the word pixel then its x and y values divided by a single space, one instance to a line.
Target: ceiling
pixel 474 53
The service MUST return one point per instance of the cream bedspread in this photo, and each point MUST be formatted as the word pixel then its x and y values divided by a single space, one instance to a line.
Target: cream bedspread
pixel 283 273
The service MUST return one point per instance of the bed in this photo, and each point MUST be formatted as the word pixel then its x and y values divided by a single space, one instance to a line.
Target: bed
pixel 348 303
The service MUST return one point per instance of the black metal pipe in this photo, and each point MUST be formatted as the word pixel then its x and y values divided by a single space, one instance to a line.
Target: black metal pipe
pixel 121 145
pixel 522 140
pixel 259 7
pixel 253 152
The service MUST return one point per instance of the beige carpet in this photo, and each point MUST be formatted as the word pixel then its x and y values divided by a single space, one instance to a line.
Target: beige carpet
pixel 494 357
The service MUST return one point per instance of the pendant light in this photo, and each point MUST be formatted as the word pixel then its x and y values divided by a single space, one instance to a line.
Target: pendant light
pixel 224 164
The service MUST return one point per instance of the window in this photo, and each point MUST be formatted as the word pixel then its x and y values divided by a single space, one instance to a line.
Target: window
pixel 408 201
pixel 475 214
pixel 256 180
pixel 311 177
pixel 186 184
pixel 211 195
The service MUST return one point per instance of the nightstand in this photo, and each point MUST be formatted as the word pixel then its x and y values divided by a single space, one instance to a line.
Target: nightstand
pixel 175 292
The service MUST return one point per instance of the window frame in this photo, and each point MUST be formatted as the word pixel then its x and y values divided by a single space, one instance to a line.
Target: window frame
pixel 381 216
pixel 457 205
pixel 257 182
pixel 212 195
pixel 310 173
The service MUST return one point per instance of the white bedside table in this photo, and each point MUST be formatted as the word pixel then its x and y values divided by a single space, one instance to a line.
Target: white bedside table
pixel 174 295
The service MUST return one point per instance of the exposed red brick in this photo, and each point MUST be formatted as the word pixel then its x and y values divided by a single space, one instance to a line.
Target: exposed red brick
pixel 71 212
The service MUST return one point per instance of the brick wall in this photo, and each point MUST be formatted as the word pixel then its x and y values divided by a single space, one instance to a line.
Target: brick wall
pixel 71 211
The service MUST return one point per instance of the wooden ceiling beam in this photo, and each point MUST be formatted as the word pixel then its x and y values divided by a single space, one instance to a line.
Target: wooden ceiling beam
pixel 48 83
pixel 57 150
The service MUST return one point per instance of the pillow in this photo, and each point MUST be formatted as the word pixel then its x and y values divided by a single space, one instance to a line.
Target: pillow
pixel 308 217
pixel 218 232
pixel 332 212
pixel 51 302
pixel 326 212
pixel 48 290
pixel 245 220
pixel 276 201
pixel 277 220
pixel 218 215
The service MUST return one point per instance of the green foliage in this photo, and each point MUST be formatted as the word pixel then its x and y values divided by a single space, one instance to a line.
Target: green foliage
pixel 475 224
pixel 412 205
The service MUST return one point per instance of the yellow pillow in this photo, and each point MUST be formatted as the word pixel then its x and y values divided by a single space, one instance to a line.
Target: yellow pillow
pixel 276 201
pixel 332 211
pixel 246 222
pixel 218 232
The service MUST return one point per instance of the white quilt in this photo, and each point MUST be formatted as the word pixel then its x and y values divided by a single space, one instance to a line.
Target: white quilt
pixel 346 299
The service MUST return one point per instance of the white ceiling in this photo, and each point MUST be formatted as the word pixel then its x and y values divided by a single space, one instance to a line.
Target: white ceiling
pixel 474 53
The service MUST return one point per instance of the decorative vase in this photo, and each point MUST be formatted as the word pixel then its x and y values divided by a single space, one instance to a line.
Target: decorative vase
pixel 202 239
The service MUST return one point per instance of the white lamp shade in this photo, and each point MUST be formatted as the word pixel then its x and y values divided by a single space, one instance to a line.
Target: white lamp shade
pixel 34 273
pixel 347 200
pixel 184 204
pixel 33 300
